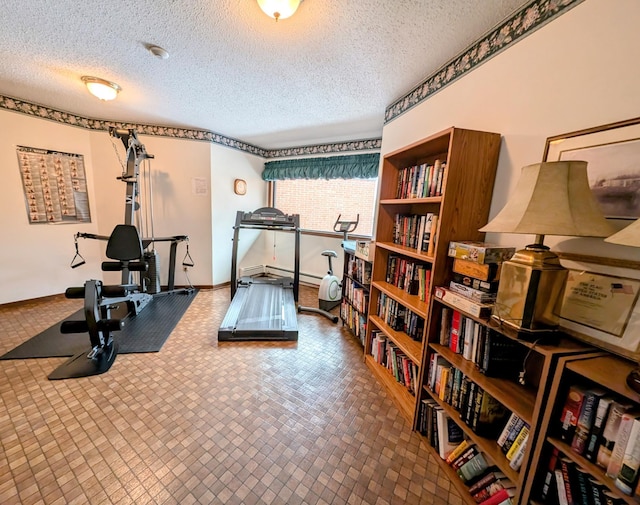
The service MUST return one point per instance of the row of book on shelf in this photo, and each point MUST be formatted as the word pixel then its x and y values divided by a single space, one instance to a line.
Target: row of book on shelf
pixel 605 430
pixel 399 318
pixel 357 294
pixel 471 293
pixel 486 484
pixel 416 231
pixel 386 353
pixel 359 270
pixel 494 354
pixel 413 277
pixel 354 320
pixel 421 181
pixel 480 411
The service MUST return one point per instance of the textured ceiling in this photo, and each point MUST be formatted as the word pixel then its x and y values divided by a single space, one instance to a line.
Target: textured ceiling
pixel 324 75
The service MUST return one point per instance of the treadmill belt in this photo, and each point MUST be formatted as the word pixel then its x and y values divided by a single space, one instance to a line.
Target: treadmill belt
pixel 261 311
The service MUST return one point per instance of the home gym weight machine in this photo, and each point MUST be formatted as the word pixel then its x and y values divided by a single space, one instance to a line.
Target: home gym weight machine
pixel 263 308
pixel 126 249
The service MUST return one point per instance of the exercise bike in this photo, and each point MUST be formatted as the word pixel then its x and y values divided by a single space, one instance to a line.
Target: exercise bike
pixel 330 290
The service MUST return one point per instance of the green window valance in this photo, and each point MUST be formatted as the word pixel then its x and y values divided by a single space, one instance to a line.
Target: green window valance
pixel 357 166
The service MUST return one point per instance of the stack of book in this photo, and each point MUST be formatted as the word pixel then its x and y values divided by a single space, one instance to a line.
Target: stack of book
pixel 476 272
pixel 487 485
pixel 606 431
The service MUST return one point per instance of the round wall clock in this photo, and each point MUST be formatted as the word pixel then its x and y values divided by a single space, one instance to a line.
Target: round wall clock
pixel 239 187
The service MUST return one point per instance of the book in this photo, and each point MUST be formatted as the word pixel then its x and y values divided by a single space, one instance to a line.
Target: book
pixel 473 468
pixel 622 437
pixel 477 284
pixel 567 468
pixel 562 492
pixel 487 479
pixel 474 294
pixel 518 455
pixel 457 451
pixel 480 252
pixel 616 411
pixel 445 325
pixel 489 416
pixel 519 440
pixel 582 487
pixel 549 476
pixel 513 419
pixel 629 469
pixel 485 272
pixel 513 433
pixel 432 238
pixel 499 497
pixel 599 420
pixel 463 303
pixel 450 435
pixel 454 332
pixel 465 457
pixel 570 412
pixel 502 357
pixel 585 419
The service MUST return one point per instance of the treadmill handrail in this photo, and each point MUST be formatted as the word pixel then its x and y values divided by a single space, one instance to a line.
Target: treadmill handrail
pixel 271 211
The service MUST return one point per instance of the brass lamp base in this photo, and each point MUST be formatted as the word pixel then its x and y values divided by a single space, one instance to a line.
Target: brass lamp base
pixel 530 290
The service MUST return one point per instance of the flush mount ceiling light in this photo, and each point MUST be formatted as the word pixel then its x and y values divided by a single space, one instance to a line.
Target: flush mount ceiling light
pixel 279 9
pixel 158 52
pixel 101 88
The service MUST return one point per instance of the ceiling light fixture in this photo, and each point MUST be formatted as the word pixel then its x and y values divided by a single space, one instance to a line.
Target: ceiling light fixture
pixel 279 9
pixel 158 52
pixel 101 88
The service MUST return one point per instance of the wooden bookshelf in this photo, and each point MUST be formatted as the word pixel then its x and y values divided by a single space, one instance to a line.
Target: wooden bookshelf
pixel 356 275
pixel 596 369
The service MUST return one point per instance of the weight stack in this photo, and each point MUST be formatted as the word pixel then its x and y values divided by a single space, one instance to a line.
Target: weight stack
pixel 152 276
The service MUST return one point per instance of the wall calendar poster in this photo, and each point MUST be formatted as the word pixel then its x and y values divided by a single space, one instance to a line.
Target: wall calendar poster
pixel 55 186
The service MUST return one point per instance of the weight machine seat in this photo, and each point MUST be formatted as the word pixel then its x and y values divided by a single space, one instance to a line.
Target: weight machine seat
pixel 124 246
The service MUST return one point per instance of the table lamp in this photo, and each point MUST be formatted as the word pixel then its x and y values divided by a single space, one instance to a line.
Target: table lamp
pixel 551 198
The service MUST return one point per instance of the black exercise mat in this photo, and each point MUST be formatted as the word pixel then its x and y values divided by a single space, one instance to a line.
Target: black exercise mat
pixel 146 332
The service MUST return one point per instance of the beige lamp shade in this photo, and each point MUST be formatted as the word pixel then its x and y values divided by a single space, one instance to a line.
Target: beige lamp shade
pixel 627 236
pixel 552 198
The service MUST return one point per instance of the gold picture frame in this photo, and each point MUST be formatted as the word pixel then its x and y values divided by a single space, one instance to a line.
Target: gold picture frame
pixel 611 152
pixel 600 303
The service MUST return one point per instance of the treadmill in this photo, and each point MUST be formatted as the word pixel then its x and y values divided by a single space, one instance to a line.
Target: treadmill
pixel 262 308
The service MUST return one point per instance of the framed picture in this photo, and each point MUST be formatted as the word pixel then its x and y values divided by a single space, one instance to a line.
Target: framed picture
pixel 600 303
pixel 613 155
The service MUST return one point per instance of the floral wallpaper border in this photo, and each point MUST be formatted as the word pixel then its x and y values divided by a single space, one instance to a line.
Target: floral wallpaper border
pixel 524 22
pixel 43 112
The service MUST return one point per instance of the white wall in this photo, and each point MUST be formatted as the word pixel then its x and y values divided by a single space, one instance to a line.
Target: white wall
pixel 226 166
pixel 34 258
pixel 577 72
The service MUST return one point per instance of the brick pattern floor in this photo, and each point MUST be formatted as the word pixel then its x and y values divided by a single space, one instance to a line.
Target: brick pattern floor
pixel 206 422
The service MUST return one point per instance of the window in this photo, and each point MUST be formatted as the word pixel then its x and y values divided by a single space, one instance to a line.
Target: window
pixel 321 189
pixel 320 201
